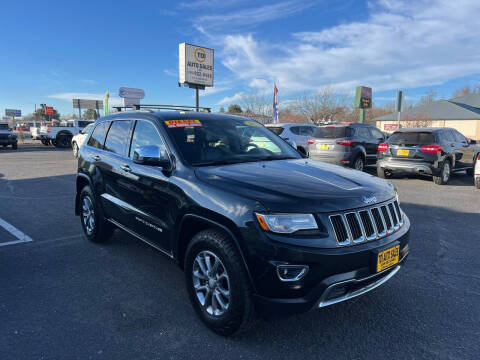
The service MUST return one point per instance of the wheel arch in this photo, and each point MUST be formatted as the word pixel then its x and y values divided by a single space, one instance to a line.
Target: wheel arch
pixel 191 224
pixel 82 181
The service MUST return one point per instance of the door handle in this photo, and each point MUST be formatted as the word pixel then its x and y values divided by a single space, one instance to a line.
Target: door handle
pixel 96 158
pixel 126 168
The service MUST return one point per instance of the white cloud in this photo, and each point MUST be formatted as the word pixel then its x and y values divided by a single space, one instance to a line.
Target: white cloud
pixel 402 44
pixel 252 16
pixel 113 100
pixel 230 99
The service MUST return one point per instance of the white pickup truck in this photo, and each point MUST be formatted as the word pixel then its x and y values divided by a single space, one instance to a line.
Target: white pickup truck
pixel 60 135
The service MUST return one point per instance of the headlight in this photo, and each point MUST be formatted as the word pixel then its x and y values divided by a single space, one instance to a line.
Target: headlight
pixel 286 223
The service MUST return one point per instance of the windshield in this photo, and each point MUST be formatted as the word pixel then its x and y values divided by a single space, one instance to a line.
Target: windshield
pixel 276 130
pixel 411 138
pixel 332 132
pixel 214 141
pixel 3 126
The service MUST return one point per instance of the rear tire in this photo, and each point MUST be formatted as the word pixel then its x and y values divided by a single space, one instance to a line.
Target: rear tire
pixel 445 173
pixel 358 163
pixel 14 146
pixel 95 227
pixel 234 309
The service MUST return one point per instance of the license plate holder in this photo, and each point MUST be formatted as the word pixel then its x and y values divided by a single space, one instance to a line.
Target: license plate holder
pixel 323 147
pixel 385 257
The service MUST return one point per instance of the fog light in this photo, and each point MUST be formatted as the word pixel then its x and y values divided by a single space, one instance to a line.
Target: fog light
pixel 291 272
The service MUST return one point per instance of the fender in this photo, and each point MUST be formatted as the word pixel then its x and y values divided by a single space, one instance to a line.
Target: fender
pixel 224 228
pixel 359 150
pixel 83 176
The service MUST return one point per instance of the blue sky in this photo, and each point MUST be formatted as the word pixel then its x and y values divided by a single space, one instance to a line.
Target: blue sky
pixel 53 51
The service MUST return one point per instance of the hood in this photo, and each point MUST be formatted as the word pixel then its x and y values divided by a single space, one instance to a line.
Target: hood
pixel 301 185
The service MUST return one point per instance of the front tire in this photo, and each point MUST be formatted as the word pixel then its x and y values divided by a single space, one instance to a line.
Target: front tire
pixel 382 173
pixel 218 284
pixel 445 173
pixel 95 227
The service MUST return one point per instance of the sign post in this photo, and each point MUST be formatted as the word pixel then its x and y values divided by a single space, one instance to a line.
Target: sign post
pixel 195 65
pixel 363 100
pixel 399 106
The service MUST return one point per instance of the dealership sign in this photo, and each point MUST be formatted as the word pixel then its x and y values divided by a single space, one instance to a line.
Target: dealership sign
pixel 13 112
pixel 131 96
pixel 390 127
pixel 363 97
pixel 49 110
pixel 195 65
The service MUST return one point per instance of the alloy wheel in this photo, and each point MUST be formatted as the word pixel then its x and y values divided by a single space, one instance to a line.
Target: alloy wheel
pixel 211 283
pixel 446 171
pixel 88 214
pixel 358 165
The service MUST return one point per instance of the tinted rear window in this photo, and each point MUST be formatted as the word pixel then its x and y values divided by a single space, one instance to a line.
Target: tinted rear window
pixel 333 132
pixel 412 138
pixel 276 130
pixel 98 137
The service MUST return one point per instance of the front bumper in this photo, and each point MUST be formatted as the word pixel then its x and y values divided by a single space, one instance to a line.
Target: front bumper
pixel 410 166
pixel 334 275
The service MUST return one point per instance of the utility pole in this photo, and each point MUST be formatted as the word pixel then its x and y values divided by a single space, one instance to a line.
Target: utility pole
pixel 399 107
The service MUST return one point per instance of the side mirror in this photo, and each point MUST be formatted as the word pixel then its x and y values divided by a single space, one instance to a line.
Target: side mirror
pixel 150 155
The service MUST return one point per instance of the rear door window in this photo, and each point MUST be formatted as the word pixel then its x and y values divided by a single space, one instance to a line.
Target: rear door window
pixel 363 133
pixel 332 132
pixel 98 136
pixel 412 138
pixel 295 130
pixel 118 137
pixel 307 130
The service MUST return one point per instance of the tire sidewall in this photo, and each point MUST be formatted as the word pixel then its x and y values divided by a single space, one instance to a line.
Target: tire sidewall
pixel 236 309
pixel 86 191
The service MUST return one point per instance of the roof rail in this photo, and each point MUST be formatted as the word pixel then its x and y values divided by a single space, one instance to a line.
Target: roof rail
pixel 150 108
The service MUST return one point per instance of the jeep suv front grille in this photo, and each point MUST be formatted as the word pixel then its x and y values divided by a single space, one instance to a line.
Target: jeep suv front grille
pixel 367 224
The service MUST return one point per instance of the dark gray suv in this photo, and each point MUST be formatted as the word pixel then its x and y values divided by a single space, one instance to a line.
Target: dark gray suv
pixel 353 145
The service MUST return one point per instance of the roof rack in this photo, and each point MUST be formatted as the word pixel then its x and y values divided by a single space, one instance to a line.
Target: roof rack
pixel 150 108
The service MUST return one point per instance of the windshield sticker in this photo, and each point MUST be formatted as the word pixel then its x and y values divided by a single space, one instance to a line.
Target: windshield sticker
pixel 182 123
pixel 252 123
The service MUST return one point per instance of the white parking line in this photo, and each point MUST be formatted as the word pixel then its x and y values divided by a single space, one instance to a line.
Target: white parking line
pixel 22 237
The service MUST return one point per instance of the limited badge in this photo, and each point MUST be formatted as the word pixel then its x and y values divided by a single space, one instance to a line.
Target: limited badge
pixel 183 123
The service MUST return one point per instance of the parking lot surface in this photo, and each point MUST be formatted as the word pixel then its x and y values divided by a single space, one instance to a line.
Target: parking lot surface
pixel 62 297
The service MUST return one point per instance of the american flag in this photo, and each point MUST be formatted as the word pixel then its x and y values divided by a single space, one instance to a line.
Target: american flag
pixel 275 103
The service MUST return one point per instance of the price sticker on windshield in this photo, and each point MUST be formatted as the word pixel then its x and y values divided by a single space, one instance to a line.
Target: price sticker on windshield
pixel 252 123
pixel 182 123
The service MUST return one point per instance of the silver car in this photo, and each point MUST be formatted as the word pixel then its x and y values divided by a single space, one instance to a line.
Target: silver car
pixel 294 133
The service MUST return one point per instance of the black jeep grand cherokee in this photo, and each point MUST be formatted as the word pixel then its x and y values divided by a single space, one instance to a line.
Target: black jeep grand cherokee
pixel 256 227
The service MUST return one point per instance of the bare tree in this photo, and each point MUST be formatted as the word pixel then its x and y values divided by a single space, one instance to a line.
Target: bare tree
pixel 324 106
pixel 256 103
pixel 428 98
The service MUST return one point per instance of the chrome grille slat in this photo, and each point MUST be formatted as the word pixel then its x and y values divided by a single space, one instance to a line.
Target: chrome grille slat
pixel 366 224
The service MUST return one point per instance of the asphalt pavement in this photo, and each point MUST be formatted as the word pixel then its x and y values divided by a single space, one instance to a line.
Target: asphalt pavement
pixel 62 297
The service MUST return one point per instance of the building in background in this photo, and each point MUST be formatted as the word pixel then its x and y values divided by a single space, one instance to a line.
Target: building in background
pixel 461 113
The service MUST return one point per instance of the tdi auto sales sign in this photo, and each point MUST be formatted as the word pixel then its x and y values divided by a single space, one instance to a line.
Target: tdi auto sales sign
pixel 195 65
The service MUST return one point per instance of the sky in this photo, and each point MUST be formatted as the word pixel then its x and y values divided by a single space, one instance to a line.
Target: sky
pixel 58 50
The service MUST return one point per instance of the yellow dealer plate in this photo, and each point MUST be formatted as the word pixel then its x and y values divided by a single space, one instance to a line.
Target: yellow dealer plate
pixel 403 152
pixel 323 147
pixel 388 258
